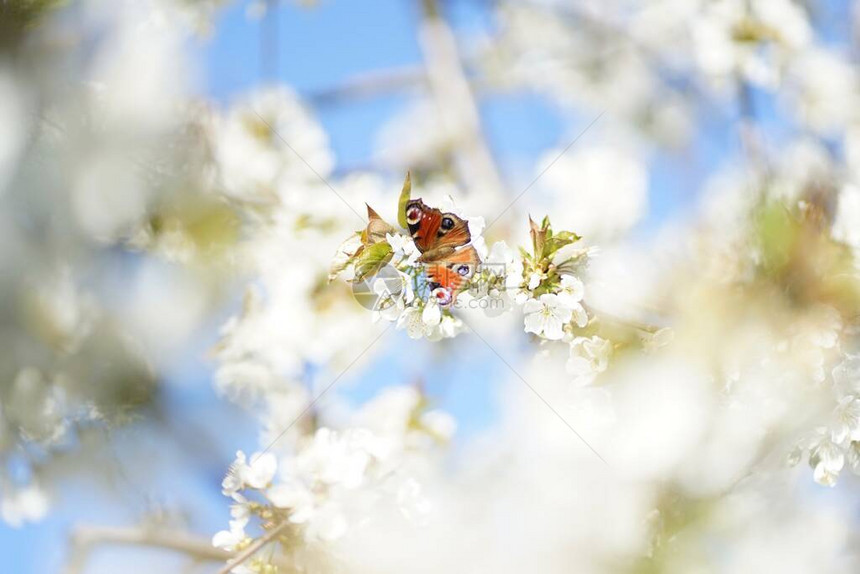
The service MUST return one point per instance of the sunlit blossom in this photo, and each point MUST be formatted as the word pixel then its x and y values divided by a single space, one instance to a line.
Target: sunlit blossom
pixel 547 316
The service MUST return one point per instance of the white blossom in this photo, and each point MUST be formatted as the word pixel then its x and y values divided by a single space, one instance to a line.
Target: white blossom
pixel 827 460
pixel 847 423
pixel 600 193
pixel 571 293
pixel 588 356
pixel 294 497
pixel 547 316
pixel 403 247
pixel 230 539
pixel 20 506
pixel 432 314
pixel 250 153
pixel 254 473
pixel 411 319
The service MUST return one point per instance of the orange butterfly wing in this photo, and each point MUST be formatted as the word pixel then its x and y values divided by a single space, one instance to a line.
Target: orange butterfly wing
pixel 436 234
pixel 453 271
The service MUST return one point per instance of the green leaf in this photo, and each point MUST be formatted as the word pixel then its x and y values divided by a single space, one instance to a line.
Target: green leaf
pixel 554 245
pixel 544 224
pixel 562 239
pixel 405 196
pixel 371 259
pixel 569 236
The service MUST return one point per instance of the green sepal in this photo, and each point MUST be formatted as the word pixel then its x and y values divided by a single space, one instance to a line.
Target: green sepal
pixel 405 196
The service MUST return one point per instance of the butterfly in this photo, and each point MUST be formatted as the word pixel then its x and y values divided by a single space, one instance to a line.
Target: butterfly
pixel 442 239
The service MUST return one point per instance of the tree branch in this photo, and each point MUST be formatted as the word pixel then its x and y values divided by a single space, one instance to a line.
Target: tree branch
pixel 254 547
pixel 371 84
pixel 457 104
pixel 85 538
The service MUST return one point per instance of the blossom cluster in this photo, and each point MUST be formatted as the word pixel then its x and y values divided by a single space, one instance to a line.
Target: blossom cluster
pixel 636 59
pixel 544 281
pixel 835 444
pixel 332 481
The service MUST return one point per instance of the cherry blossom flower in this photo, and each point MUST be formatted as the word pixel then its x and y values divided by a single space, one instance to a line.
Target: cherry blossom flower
pixel 412 321
pixel 827 460
pixel 230 539
pixel 847 423
pixel 256 473
pixel 571 293
pixel 404 248
pixel 294 497
pixel 588 356
pixel 547 316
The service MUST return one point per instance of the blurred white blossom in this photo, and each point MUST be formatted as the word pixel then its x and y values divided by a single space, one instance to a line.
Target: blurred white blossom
pixel 601 193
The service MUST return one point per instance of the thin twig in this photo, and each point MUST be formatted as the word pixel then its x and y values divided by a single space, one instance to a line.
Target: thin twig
pixel 370 85
pixel 750 137
pixel 254 547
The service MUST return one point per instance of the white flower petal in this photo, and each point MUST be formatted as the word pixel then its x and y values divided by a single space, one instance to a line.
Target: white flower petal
pixel 432 314
pixel 534 323
pixel 532 306
pixel 261 470
pixel 553 329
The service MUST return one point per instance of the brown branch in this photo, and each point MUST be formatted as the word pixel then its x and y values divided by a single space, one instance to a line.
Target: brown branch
pixel 85 538
pixel 254 547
